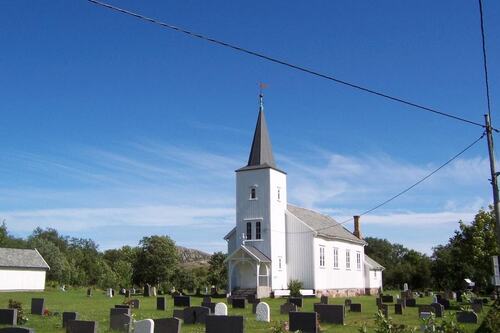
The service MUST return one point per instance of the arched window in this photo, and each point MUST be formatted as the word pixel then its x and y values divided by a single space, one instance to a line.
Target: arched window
pixel 253 193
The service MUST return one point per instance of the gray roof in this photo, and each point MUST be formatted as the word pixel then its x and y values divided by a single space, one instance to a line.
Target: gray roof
pixel 373 264
pixel 254 251
pixel 324 225
pixel 21 258
pixel 261 153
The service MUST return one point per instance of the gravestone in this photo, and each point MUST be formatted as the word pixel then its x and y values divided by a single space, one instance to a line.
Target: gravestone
pixel 466 317
pixel 439 297
pixel 122 306
pixel 424 309
pixel 122 291
pixel 182 301
pixel 144 326
pixel 251 298
pixel 287 308
pixel 444 302
pixel 153 292
pixel 238 303
pixel 109 292
pixel 167 325
pixel 330 313
pixel 348 302
pixel 220 309
pixel 161 304
pixel 438 310
pixel 411 303
pixel 398 309
pixel 207 299
pixel 127 293
pixel 89 292
pixel 295 300
pixel 37 306
pixel 385 310
pixel 119 319
pixel 147 291
pixel 81 326
pixel 387 299
pixel 324 300
pixel 67 316
pixel 210 305
pixel 135 303
pixel 402 302
pixel 195 314
pixel 305 322
pixel 459 296
pixel 224 324
pixel 8 316
pixel 213 291
pixel 263 313
pixel 405 286
pixel 16 330
pixel 424 315
pixel 477 307
pixel 178 314
pixel 434 299
pixel 355 307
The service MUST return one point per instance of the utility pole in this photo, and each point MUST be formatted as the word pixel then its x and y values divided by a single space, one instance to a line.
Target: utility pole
pixel 494 174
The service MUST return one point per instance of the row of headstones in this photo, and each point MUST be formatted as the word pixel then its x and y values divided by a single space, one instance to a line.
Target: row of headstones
pixel 9 316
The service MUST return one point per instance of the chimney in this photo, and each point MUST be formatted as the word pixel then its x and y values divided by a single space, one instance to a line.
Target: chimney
pixel 357 230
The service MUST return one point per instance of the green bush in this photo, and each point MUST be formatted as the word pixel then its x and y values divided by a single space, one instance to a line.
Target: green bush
pixel 491 323
pixel 294 286
pixel 21 318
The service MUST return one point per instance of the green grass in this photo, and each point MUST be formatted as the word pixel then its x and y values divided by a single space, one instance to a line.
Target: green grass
pixel 97 308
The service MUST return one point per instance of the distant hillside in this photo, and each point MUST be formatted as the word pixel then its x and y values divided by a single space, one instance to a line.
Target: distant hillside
pixel 192 256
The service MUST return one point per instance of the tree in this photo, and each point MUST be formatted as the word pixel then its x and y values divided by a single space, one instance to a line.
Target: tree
pixel 3 234
pixel 156 260
pixel 467 254
pixel 217 271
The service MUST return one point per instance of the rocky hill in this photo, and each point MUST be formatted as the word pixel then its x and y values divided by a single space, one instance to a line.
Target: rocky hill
pixel 191 256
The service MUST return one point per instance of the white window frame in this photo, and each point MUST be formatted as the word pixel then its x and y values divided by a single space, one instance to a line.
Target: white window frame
pixel 322 256
pixel 348 259
pixel 253 189
pixel 336 258
pixel 358 260
pixel 280 263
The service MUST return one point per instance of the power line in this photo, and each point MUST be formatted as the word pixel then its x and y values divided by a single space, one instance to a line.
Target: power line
pixel 421 180
pixel 484 59
pixel 284 63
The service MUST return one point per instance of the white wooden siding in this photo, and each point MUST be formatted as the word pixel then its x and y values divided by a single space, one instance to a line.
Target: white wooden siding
pixel 299 249
pixel 21 279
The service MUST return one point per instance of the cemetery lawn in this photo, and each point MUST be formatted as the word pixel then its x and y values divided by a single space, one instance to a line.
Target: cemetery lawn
pixel 97 308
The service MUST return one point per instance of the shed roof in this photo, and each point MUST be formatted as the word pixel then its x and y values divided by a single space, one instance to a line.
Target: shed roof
pixel 373 264
pixel 22 258
pixel 324 225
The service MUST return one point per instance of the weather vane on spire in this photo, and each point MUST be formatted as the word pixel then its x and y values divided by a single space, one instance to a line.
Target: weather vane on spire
pixel 262 86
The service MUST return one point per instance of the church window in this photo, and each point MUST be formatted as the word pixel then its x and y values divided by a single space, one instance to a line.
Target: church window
pixel 279 194
pixel 249 230
pixel 358 260
pixel 253 193
pixel 257 230
pixel 347 259
pixel 335 257
pixel 279 263
pixel 321 256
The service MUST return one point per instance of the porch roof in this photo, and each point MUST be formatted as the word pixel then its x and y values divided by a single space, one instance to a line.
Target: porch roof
pixel 252 252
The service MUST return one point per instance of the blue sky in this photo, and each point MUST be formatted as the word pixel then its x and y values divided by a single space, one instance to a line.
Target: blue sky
pixel 115 129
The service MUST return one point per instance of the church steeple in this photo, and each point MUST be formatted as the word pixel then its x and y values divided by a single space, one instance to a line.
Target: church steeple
pixel 261 153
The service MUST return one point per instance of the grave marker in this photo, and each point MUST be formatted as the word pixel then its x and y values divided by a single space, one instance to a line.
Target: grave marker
pixel 330 313
pixel 355 307
pixel 220 309
pixel 67 316
pixel 161 304
pixel 398 309
pixel 81 326
pixel 224 324
pixel 287 308
pixel 306 322
pixel 263 313
pixel 8 317
pixel 167 325
pixel 37 306
pixel 195 314
pixel 182 301
pixel 324 300
pixel 467 317
pixel 238 303
pixel 144 326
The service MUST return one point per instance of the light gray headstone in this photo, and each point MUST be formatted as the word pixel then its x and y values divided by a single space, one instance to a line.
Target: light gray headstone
pixel 144 326
pixel 220 309
pixel 434 299
pixel 109 292
pixel 405 287
pixel 262 312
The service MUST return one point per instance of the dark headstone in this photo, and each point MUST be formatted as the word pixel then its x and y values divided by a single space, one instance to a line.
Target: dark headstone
pixel 288 307
pixel 37 306
pixel 127 293
pixel 347 302
pixel 89 292
pixel 147 291
pixel 161 304
pixel 167 325
pixel 444 302
pixel 330 313
pixel 355 307
pixel 16 330
pixel 178 314
pixel 224 324
pixel 411 303
pixel 122 306
pixel 477 307
pixel 113 292
pixel 8 316
pixel 387 299
pixel 305 322
pixel 402 302
pixel 238 303
pixel 135 303
pixel 439 297
pixel 438 309
pixel 195 314
pixel 385 310
pixel 210 305
pixel 119 319
pixel 207 299
pixel 324 300
pixel 467 317
pixel 459 296
pixel 425 309
pixel 182 301
pixel 213 291
pixel 398 309
pixel 81 326
pixel 296 300
pixel 67 316
pixel 251 298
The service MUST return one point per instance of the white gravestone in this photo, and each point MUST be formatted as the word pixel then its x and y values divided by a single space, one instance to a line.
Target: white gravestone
pixel 144 326
pixel 434 299
pixel 109 292
pixel 405 287
pixel 262 312
pixel 220 309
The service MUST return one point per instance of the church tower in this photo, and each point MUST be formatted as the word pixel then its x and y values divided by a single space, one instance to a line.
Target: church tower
pixel 261 201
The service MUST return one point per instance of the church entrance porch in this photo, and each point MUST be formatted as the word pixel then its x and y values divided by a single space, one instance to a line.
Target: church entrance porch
pixel 249 272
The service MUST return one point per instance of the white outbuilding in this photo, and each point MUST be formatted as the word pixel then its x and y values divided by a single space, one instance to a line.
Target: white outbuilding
pixel 22 270
pixel 274 242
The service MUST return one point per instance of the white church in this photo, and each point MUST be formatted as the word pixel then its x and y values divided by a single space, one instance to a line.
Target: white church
pixel 275 242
